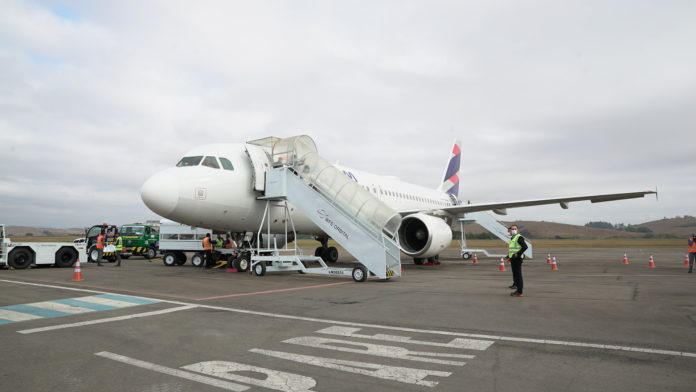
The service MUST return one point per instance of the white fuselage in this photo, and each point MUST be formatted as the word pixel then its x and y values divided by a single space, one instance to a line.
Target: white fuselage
pixel 225 200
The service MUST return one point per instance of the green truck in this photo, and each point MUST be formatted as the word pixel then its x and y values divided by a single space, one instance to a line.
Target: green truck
pixel 139 240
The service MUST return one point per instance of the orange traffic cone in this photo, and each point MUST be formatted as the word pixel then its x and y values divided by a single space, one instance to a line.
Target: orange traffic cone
pixel 686 260
pixel 548 258
pixel 501 267
pixel 77 272
pixel 554 265
pixel 475 259
pixel 625 259
pixel 651 263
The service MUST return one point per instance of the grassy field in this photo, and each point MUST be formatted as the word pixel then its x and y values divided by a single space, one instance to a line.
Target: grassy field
pixel 485 244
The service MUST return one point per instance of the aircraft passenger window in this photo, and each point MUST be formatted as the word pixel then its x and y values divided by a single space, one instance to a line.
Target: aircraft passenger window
pixel 189 161
pixel 211 162
pixel 226 164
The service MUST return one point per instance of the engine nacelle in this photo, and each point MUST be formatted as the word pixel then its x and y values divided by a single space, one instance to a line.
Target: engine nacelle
pixel 422 235
pixel 278 240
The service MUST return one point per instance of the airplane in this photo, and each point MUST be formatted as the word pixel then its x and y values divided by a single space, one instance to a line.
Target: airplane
pixel 218 186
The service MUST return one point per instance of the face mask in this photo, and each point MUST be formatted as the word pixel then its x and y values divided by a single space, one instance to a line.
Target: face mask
pixel 513 232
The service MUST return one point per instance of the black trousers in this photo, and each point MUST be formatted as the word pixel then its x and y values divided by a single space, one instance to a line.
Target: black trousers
pixel 516 267
pixel 208 258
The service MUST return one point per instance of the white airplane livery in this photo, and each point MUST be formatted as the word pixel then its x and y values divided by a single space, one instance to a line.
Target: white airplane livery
pixel 220 186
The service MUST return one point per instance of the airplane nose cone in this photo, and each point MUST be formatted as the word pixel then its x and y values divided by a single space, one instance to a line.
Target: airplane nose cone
pixel 160 193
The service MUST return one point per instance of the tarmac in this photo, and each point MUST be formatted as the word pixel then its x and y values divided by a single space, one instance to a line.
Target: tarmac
pixel 593 325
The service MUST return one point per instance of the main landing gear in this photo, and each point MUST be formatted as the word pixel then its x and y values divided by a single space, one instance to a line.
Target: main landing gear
pixel 328 253
pixel 435 260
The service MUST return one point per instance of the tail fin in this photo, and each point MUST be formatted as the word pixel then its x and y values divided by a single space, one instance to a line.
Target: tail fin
pixel 450 183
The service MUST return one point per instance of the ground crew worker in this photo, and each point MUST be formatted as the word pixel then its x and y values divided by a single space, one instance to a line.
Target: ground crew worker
pixel 119 248
pixel 516 249
pixel 101 238
pixel 692 252
pixel 208 251
pixel 218 242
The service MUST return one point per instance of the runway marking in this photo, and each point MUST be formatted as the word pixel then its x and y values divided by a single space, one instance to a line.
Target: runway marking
pixel 274 291
pixel 405 329
pixel 107 320
pixel 392 373
pixel 67 307
pixel 230 386
pixel 377 350
pixel 470 344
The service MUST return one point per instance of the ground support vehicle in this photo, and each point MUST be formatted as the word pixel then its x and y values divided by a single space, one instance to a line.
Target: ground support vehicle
pixel 20 255
pixel 176 240
pixel 91 242
pixel 139 240
pixel 290 258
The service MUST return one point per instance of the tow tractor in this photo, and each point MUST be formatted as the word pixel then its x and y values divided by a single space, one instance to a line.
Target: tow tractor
pixel 21 255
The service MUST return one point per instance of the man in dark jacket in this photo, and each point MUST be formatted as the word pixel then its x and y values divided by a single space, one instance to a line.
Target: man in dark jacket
pixel 516 249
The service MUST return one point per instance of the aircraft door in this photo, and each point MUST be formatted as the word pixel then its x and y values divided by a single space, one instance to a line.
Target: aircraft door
pixel 260 164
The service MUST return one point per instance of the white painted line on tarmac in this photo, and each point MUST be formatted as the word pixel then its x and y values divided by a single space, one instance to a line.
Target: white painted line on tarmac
pixel 471 344
pixel 230 386
pixel 402 329
pixel 107 302
pixel 63 308
pixel 17 316
pixel 107 320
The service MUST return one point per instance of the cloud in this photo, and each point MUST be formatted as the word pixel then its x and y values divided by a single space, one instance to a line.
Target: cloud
pixel 548 98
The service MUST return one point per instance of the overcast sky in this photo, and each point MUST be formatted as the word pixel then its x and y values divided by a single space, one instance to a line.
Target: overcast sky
pixel 550 98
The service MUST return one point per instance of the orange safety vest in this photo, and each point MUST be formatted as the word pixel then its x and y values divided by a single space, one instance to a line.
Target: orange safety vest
pixel 692 246
pixel 100 241
pixel 207 245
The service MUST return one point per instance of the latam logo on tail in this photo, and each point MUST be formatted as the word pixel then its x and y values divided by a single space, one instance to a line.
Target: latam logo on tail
pixel 450 182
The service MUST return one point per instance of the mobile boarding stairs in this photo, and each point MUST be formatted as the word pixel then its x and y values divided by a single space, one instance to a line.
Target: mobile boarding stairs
pixel 361 223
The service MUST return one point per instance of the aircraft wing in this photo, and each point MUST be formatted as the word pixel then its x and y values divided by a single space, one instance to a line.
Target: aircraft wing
pixel 501 207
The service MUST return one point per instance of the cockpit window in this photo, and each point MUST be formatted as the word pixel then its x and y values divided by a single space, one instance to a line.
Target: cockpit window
pixel 226 164
pixel 211 162
pixel 189 161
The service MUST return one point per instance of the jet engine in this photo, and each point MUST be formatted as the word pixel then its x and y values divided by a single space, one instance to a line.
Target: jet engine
pixel 422 235
pixel 278 240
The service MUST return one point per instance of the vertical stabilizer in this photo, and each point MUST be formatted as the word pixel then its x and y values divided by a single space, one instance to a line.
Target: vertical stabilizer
pixel 450 182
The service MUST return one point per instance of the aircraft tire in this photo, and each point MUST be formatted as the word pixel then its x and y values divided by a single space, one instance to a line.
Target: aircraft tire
pixel 418 261
pixel 331 254
pixel 319 252
pixel 466 255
